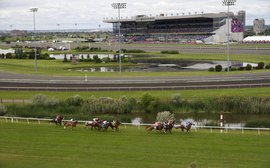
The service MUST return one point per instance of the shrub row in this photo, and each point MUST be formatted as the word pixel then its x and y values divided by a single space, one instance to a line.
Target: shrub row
pixel 43 106
pixel 258 124
pixel 169 52
pixel 219 68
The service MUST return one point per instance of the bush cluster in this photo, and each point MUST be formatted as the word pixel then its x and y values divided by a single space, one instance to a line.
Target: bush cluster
pixel 92 49
pixel 3 109
pixel 169 52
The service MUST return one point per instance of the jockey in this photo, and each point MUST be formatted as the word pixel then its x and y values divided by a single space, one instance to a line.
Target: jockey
pixel 104 123
pixel 96 120
pixel 72 120
pixel 166 124
pixel 57 117
pixel 188 123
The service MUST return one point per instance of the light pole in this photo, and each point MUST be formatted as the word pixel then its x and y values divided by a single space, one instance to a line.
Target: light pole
pixel 228 3
pixel 34 10
pixel 119 6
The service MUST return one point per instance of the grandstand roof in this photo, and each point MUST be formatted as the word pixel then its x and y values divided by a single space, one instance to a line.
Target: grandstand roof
pixel 257 39
pixel 145 18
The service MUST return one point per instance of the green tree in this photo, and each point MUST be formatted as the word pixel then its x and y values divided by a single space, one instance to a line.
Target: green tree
pixel 3 109
pixel 218 68
pixel 164 116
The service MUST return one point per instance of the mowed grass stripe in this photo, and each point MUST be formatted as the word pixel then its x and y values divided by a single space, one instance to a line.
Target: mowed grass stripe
pixel 188 94
pixel 44 145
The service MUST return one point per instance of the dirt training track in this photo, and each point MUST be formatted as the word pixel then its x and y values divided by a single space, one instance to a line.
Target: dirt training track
pixel 33 82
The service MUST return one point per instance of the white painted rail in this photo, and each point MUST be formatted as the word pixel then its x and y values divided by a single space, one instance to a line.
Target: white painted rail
pixel 211 128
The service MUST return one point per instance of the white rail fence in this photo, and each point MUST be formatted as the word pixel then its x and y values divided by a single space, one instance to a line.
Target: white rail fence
pixel 139 125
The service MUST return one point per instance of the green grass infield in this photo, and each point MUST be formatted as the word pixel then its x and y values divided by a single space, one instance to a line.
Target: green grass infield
pixel 43 145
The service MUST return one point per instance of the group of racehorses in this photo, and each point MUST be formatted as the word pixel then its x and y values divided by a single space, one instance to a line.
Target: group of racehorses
pixel 104 125
pixel 97 124
pixel 168 126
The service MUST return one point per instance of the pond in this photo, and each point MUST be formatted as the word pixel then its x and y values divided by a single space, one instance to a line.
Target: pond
pixel 156 67
pixel 150 65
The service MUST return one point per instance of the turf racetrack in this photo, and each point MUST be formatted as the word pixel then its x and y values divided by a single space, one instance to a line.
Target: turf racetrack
pixel 44 145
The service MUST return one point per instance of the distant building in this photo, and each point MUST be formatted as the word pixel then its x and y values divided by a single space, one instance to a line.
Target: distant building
pixel 259 26
pixel 18 33
pixel 206 27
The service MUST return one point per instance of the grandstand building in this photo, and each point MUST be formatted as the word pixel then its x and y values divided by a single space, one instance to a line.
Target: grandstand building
pixel 206 27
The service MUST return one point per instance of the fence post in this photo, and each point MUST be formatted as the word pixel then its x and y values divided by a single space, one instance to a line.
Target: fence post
pixel 139 127
pixel 221 122
pixel 242 130
pixel 38 121
pixel 259 132
pixel 12 120
pixel 125 125
pixel 211 130
pixel 27 120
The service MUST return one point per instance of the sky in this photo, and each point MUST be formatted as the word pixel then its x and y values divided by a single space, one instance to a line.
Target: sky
pixel 89 14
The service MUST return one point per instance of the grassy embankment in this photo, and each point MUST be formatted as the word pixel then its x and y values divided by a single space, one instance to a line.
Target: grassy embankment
pixel 34 145
pixel 187 94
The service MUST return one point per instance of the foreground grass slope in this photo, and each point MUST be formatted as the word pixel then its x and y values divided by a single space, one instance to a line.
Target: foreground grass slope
pixel 23 145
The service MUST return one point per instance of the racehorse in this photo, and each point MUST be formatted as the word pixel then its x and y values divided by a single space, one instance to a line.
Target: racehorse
pixel 183 127
pixel 57 120
pixel 70 124
pixel 158 126
pixel 92 124
pixel 105 125
pixel 169 126
pixel 114 125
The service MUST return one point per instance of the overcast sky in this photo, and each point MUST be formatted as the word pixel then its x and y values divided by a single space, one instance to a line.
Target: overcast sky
pixel 90 13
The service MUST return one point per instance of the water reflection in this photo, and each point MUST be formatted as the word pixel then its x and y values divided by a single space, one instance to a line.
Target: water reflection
pixel 5 51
